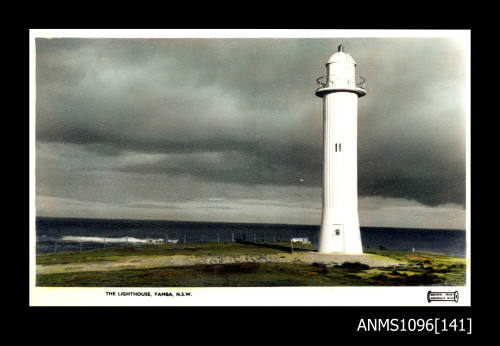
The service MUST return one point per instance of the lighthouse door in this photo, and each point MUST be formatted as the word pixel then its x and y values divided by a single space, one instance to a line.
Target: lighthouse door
pixel 338 237
pixel 338 230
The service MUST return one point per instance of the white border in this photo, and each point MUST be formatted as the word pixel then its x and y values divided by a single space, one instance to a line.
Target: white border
pixel 249 296
pixel 232 296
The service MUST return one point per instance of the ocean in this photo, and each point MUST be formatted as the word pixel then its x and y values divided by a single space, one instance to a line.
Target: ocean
pixel 71 234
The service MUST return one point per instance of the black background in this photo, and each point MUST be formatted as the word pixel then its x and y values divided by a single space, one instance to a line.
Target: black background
pixel 235 325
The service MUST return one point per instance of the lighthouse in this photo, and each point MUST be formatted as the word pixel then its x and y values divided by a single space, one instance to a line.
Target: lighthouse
pixel 340 92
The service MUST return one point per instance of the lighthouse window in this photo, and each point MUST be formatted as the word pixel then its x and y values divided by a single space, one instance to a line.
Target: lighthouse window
pixel 335 146
pixel 340 146
pixel 337 231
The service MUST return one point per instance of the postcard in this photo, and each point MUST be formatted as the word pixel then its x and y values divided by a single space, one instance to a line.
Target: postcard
pixel 250 168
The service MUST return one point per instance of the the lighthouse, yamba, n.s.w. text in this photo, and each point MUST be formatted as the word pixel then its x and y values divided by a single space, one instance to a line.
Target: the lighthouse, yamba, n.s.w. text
pixel 340 91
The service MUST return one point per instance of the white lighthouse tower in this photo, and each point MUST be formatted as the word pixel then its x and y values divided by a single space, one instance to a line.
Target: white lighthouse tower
pixel 340 221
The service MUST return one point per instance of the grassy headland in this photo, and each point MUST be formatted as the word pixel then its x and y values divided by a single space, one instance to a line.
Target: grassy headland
pixel 237 264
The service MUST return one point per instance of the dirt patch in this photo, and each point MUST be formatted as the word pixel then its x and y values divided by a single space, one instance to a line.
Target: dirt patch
pixel 353 267
pixel 77 279
pixel 401 279
pixel 336 259
pixel 323 271
pixel 443 270
pixel 418 257
pixel 230 268
pixel 158 274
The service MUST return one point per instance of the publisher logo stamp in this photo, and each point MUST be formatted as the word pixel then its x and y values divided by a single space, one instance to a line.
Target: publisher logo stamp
pixel 442 296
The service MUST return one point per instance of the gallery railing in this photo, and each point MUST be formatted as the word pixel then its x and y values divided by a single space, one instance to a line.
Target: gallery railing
pixel 360 82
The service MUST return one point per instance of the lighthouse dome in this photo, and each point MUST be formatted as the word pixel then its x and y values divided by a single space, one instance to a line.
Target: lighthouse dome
pixel 341 57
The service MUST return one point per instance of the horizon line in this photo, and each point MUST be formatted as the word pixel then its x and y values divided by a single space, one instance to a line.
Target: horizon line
pixel 231 222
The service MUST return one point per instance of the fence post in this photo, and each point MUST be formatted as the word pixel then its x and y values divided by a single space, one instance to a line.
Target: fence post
pixel 55 246
pixel 80 246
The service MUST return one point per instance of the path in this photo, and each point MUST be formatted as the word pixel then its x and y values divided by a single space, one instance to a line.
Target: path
pixel 141 262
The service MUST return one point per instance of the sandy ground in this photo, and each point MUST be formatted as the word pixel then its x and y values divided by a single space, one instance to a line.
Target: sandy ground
pixel 139 262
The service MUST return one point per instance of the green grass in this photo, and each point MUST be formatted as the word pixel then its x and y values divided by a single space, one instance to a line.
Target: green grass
pixel 206 249
pixel 242 275
pixel 235 275
pixel 419 268
pixel 416 269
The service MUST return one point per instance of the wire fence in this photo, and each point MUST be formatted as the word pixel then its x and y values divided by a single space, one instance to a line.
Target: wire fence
pixel 58 244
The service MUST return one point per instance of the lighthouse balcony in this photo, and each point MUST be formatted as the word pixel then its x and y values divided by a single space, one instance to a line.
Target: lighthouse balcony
pixel 329 86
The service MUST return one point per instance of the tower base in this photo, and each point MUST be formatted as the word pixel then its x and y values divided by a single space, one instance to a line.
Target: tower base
pixel 340 238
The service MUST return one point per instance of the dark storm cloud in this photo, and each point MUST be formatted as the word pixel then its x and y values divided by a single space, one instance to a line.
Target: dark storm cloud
pixel 243 111
pixel 241 167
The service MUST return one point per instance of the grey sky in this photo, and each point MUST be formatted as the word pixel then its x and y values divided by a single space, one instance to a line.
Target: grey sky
pixel 230 129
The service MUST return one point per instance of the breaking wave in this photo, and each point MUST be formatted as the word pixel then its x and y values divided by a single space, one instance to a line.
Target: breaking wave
pixel 78 239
